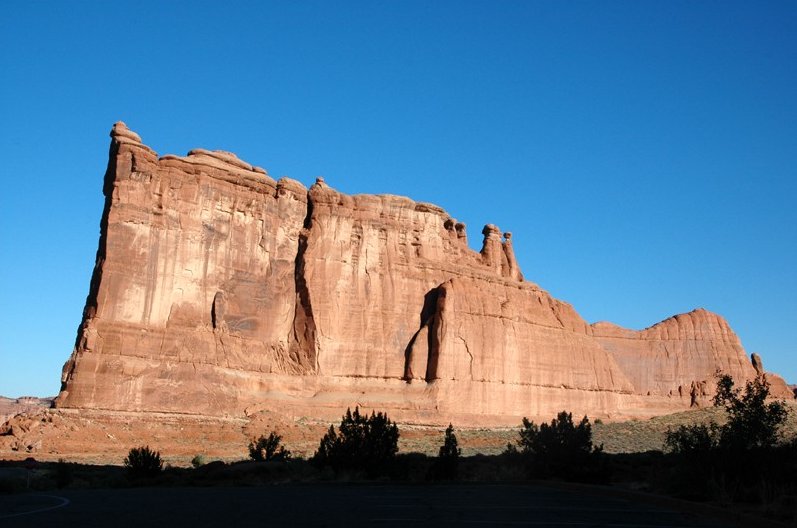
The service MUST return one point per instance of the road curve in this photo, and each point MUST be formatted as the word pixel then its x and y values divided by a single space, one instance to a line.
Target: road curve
pixel 348 505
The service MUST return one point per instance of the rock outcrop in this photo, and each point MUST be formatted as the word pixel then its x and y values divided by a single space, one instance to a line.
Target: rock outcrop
pixel 220 291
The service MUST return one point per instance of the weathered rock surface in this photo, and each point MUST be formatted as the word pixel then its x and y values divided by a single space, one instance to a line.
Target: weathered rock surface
pixel 220 291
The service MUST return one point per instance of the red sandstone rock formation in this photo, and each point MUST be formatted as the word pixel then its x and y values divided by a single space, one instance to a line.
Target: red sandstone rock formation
pixel 220 291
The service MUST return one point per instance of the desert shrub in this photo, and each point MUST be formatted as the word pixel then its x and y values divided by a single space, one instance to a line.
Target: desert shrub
pixel 560 449
pixel 446 465
pixel 197 461
pixel 362 443
pixel 142 462
pixel 511 451
pixel 694 438
pixel 64 473
pixel 268 448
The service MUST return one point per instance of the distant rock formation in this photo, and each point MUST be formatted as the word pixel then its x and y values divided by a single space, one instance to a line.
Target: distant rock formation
pixel 220 291
pixel 12 406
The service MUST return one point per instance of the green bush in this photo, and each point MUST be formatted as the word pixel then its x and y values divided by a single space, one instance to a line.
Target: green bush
pixel 268 448
pixel 198 461
pixel 142 462
pixel 362 443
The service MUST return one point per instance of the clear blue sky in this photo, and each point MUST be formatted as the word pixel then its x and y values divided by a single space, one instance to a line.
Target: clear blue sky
pixel 644 154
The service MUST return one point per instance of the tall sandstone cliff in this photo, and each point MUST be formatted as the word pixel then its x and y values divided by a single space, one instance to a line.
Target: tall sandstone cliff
pixel 220 291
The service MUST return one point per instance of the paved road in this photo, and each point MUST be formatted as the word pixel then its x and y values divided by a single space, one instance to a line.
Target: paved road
pixel 337 505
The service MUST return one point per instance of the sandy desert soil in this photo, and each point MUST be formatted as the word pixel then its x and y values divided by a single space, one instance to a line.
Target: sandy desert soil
pixel 103 437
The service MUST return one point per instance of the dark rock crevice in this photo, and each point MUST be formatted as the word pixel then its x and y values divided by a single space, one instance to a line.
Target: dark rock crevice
pixel 436 330
pixel 303 349
pixel 431 328
pixel 426 319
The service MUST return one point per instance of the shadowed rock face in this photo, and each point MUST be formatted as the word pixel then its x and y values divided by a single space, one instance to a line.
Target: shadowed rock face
pixel 218 290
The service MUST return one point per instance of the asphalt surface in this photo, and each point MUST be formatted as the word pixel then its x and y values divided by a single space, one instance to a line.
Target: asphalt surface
pixel 338 505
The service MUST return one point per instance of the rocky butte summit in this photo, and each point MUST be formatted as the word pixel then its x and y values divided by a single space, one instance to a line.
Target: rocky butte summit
pixel 219 291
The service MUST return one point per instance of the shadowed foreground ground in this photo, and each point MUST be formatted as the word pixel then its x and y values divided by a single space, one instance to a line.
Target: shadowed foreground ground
pixel 338 505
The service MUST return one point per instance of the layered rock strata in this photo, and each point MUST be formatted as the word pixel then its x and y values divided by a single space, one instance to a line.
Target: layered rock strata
pixel 220 291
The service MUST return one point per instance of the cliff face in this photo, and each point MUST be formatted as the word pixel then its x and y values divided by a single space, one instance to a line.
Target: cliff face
pixel 219 291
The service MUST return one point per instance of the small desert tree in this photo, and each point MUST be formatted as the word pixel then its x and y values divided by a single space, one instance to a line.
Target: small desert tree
pixel 268 448
pixel 752 421
pixel 142 462
pixel 446 465
pixel 560 449
pixel 362 443
pixel 741 458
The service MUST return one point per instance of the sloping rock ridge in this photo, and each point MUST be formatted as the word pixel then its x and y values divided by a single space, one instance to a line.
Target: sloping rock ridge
pixel 220 291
